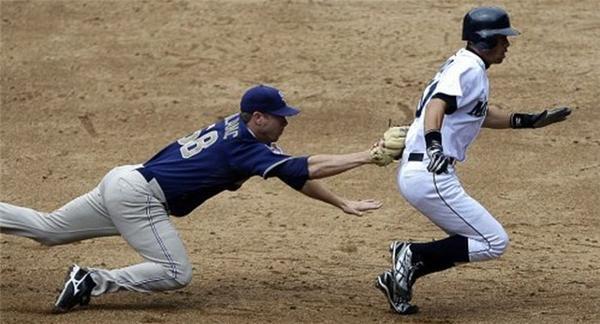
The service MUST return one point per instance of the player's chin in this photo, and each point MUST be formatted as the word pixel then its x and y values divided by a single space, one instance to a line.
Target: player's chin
pixel 275 138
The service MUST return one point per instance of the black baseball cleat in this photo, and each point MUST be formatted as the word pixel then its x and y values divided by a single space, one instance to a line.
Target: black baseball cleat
pixel 403 269
pixel 77 290
pixel 385 283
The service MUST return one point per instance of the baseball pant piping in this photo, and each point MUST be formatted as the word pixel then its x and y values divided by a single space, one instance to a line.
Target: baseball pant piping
pixel 489 246
pixel 143 222
pixel 160 242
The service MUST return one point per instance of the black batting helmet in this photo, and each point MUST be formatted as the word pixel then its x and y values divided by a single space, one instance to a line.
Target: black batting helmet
pixel 481 25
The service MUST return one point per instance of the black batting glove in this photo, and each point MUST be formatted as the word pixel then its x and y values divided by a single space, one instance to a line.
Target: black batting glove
pixel 538 120
pixel 552 116
pixel 438 162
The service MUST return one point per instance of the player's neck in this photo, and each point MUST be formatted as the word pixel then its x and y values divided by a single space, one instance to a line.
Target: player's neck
pixel 474 51
pixel 255 131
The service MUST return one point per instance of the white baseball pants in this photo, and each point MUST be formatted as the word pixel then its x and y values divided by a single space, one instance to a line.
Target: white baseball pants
pixel 442 199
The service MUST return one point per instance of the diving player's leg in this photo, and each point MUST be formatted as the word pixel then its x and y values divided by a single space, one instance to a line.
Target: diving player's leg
pixel 82 218
pixel 144 223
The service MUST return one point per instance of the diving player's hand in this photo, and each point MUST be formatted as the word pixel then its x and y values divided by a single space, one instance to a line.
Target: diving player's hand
pixel 438 162
pixel 356 207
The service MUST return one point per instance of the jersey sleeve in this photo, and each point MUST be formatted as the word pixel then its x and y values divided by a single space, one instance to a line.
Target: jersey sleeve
pixel 452 81
pixel 449 100
pixel 293 171
pixel 268 161
pixel 458 81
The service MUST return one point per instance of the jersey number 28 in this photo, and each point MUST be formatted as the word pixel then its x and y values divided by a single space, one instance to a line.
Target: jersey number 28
pixel 194 143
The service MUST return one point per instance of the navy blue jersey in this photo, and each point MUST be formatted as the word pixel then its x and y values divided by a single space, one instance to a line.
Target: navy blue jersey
pixel 217 158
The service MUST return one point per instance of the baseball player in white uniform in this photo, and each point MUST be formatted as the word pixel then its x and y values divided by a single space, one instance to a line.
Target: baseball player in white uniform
pixel 450 114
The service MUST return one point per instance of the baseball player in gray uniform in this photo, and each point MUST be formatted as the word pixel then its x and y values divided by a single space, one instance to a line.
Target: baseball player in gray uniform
pixel 135 201
pixel 450 114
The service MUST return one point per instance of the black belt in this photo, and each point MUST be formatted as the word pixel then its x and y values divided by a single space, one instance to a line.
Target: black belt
pixel 419 157
pixel 416 156
pixel 147 174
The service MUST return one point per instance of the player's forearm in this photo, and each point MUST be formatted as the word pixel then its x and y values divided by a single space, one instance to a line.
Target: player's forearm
pixel 327 165
pixel 316 190
pixel 496 119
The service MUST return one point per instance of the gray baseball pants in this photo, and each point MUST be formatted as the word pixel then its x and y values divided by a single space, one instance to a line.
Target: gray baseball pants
pixel 125 204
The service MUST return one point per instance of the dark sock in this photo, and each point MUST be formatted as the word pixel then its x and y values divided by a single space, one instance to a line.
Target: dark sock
pixel 439 255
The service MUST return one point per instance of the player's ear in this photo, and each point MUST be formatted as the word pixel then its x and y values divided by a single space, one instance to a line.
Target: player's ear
pixel 258 118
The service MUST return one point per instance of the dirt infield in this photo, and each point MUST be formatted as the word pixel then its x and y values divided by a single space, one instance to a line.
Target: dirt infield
pixel 88 85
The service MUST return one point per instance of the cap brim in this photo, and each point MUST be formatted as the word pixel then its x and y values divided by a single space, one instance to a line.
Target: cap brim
pixel 509 31
pixel 285 111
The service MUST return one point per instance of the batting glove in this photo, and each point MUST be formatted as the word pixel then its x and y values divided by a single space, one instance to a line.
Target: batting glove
pixel 438 162
pixel 545 118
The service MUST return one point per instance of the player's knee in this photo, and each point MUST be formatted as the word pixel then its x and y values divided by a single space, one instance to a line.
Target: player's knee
pixel 186 275
pixel 181 275
pixel 499 244
pixel 50 241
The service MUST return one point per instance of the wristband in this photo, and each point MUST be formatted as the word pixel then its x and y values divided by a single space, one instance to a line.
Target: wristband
pixel 519 120
pixel 433 137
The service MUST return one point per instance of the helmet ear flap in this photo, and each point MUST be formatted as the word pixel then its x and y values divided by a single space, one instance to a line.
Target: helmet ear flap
pixel 484 43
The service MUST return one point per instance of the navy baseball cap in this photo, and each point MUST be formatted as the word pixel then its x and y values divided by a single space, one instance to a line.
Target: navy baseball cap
pixel 268 100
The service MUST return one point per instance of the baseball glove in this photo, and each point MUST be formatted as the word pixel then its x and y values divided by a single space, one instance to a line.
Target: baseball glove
pixel 390 147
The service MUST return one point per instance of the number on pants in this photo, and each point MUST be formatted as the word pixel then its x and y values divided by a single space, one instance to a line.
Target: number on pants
pixel 192 144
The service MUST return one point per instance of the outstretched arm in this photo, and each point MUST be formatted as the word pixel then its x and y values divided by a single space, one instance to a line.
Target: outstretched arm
pixel 496 118
pixel 500 119
pixel 327 165
pixel 316 190
pixel 381 153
